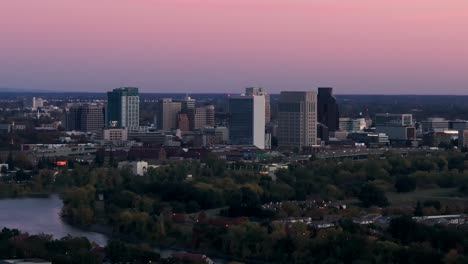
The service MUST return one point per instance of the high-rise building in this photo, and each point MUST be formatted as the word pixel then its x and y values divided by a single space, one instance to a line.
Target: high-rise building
pixel 327 109
pixel 188 104
pixel 247 120
pixel 123 108
pixel 167 111
pixel 85 117
pixel 203 117
pixel 297 119
pixel 183 122
pixel 260 91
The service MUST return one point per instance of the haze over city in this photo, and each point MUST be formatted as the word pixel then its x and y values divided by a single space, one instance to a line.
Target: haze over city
pixel 200 46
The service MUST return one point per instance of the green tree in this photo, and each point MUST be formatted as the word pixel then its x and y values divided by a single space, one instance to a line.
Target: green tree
pixel 405 184
pixel 371 195
pixel 418 211
pixel 117 252
pixel 10 161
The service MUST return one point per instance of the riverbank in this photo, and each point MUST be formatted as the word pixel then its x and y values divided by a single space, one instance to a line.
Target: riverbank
pixel 12 195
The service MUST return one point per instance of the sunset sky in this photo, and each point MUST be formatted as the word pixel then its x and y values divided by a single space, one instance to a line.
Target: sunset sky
pixel 356 46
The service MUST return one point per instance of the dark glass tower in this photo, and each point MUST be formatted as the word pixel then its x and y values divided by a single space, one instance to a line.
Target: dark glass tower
pixel 327 109
pixel 123 108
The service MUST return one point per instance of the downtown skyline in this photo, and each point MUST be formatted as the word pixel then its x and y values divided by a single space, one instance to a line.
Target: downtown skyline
pixel 194 46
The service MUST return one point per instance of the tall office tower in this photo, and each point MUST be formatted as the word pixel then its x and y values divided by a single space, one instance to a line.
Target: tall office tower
pixel 167 111
pixel 210 115
pixel 183 122
pixel 203 117
pixel 261 92
pixel 85 117
pixel 188 104
pixel 297 119
pixel 247 120
pixel 123 108
pixel 327 109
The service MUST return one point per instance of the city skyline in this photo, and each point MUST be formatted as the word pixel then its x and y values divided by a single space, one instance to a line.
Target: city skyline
pixel 363 47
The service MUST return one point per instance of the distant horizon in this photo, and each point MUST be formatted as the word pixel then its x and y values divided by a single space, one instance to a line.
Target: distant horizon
pixel 201 46
pixel 40 91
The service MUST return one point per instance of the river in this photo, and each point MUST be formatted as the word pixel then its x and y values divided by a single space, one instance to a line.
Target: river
pixel 42 215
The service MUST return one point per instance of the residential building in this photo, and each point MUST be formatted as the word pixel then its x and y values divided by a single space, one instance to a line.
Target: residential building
pixel 327 109
pixel 260 91
pixel 247 120
pixel 167 111
pixel 123 108
pixel 297 119
pixel 85 117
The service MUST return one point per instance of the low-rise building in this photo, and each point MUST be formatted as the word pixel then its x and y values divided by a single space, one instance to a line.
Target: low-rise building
pixel 115 134
pixel 352 124
pixel 138 167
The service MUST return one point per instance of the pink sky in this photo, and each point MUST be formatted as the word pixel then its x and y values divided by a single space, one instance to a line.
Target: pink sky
pixel 356 46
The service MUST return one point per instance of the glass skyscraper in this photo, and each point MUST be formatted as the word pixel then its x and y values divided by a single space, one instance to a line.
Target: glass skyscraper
pixel 123 108
pixel 247 120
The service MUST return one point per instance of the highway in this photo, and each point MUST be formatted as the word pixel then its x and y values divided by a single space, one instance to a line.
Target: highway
pixel 360 153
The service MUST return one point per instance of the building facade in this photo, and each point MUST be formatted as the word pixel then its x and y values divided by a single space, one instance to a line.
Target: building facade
pixel 434 124
pixel 167 111
pixel 327 109
pixel 398 127
pixel 297 119
pixel 183 122
pixel 247 120
pixel 123 108
pixel 115 134
pixel 260 91
pixel 203 117
pixel 85 117
pixel 463 139
pixel 352 124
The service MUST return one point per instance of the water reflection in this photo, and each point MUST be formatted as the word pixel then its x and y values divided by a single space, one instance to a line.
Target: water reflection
pixel 41 215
